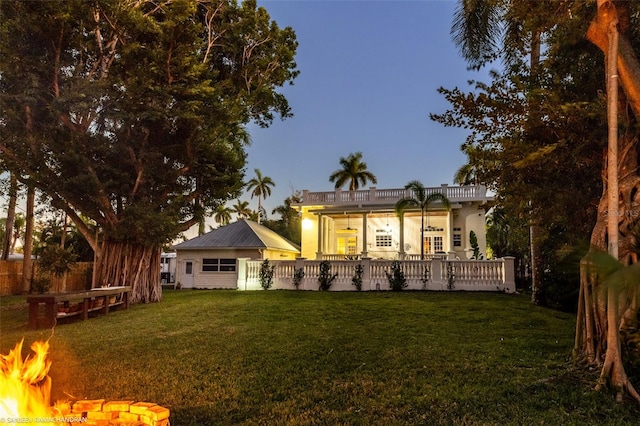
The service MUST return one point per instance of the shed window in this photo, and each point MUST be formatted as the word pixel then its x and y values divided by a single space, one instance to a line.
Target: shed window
pixel 218 265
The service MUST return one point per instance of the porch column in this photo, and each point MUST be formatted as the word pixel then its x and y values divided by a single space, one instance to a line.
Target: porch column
pixel 402 253
pixel 319 252
pixel 450 231
pixel 366 274
pixel 509 271
pixel 242 273
pixel 364 235
pixel 436 274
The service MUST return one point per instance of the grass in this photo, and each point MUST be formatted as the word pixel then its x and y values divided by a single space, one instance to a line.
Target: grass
pixel 317 358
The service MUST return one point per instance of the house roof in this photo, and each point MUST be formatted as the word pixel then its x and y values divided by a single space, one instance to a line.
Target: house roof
pixel 240 234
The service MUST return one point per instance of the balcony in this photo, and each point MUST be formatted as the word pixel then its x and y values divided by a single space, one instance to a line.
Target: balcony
pixel 375 196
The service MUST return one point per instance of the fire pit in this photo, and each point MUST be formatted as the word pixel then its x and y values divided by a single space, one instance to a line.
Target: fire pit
pixel 100 412
pixel 25 389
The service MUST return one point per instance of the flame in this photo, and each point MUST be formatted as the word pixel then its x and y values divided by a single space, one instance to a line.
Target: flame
pixel 25 386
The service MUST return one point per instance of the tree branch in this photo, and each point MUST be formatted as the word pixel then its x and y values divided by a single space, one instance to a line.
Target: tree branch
pixel 628 65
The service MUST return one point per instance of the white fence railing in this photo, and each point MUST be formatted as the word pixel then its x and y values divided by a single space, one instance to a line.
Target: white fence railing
pixel 375 195
pixel 432 274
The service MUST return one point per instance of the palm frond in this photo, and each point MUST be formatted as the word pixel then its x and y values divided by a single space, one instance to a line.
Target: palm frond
pixel 610 271
pixel 404 204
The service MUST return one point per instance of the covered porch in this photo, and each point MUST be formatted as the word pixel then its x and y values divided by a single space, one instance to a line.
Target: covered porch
pixel 378 234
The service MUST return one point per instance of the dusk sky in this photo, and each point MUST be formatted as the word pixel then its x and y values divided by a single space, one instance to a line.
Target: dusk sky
pixel 369 74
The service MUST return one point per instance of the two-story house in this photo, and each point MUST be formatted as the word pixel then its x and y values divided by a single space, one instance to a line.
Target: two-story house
pixel 352 224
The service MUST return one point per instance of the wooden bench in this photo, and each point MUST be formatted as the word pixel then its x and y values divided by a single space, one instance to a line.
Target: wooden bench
pixel 77 304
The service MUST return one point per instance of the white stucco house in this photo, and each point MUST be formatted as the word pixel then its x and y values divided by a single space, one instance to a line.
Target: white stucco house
pixel 210 261
pixel 338 225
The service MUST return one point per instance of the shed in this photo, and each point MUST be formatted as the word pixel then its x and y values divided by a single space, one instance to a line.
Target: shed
pixel 211 260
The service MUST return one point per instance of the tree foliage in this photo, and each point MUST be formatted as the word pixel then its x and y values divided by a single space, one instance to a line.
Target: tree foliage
pixel 354 172
pixel 538 135
pixel 288 225
pixel 547 168
pixel 133 113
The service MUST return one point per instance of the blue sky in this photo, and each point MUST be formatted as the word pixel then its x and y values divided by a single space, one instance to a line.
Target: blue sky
pixel 369 74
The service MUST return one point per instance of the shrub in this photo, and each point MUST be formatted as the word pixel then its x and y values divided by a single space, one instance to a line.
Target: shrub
pixel 357 277
pixel 40 285
pixel 451 276
pixel 266 274
pixel 425 277
pixel 473 242
pixel 397 280
pixel 56 260
pixel 325 278
pixel 298 275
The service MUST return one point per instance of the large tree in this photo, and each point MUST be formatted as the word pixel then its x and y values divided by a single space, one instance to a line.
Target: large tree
pixel 132 114
pixel 536 130
pixel 608 312
pixel 487 30
pixel 558 162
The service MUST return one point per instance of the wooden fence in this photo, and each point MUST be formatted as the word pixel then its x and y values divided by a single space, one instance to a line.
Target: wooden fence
pixel 11 278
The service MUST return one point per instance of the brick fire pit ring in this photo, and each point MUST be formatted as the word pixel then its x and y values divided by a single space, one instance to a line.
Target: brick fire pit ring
pixel 99 412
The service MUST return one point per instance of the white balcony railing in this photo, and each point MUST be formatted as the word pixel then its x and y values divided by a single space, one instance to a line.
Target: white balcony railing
pixel 385 196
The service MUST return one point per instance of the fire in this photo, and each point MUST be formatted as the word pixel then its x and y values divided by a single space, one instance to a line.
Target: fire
pixel 25 386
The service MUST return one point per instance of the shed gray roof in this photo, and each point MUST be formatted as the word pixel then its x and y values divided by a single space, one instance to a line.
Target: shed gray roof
pixel 240 234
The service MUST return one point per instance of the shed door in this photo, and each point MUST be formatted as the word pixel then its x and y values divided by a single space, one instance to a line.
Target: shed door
pixel 187 275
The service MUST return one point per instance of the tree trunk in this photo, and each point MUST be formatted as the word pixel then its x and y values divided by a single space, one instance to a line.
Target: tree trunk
pixel 63 240
pixel 11 214
pixel 123 263
pixel 536 234
pixel 27 263
pixel 600 310
pixel 538 296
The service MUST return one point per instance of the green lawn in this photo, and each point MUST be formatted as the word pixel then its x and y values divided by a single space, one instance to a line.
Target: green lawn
pixel 287 357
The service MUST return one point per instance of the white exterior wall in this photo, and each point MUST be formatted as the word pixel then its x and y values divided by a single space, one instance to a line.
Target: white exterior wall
pixel 279 255
pixel 475 221
pixel 412 235
pixel 210 280
pixel 309 240
pixel 221 279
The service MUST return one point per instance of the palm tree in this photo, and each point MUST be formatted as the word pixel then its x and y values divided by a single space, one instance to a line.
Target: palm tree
pixel 420 200
pixel 241 208
pixel 354 171
pixel 261 186
pixel 222 215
